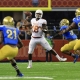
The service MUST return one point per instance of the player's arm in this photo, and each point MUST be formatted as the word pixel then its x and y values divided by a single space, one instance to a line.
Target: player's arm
pixel 27 22
pixel 72 26
pixel 45 27
pixel 28 19
pixel 20 44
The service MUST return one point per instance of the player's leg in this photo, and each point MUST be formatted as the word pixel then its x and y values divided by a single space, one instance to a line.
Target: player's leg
pixel 70 46
pixel 46 45
pixel 13 51
pixel 77 55
pixel 66 50
pixel 4 52
pixel 52 51
pixel 8 52
pixel 50 55
pixel 32 45
pixel 14 64
pixel 47 56
pixel 77 50
pixel 77 45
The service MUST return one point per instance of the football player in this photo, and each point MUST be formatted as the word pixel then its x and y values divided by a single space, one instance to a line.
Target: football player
pixel 74 24
pixel 39 26
pixel 70 36
pixel 9 36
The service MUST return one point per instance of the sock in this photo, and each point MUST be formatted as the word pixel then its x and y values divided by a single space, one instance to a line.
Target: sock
pixel 58 57
pixel 30 62
pixel 14 64
pixel 18 71
pixel 72 54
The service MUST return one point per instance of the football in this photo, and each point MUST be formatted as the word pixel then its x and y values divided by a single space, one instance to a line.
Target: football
pixel 27 13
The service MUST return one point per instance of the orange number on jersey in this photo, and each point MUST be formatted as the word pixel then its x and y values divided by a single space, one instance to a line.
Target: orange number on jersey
pixel 35 29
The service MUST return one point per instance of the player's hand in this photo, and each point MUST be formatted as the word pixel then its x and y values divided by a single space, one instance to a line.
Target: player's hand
pixel 28 13
pixel 45 30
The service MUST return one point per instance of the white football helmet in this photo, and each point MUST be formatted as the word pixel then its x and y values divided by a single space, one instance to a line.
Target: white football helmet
pixel 38 13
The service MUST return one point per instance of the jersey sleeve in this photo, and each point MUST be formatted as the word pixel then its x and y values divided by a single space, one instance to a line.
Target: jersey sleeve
pixel 75 20
pixel 63 27
pixel 1 28
pixel 18 31
pixel 45 22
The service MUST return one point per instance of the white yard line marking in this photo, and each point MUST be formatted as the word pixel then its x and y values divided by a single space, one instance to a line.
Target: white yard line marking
pixel 46 78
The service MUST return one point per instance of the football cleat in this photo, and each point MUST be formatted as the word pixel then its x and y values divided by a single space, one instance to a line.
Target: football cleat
pixel 20 75
pixel 76 58
pixel 29 66
pixel 63 59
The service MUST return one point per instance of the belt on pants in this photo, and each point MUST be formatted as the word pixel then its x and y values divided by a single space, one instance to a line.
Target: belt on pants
pixel 36 37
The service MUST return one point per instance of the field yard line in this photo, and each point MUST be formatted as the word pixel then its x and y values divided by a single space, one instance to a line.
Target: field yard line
pixel 46 78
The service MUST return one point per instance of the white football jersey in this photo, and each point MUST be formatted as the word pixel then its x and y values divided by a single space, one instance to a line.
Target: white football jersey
pixel 37 27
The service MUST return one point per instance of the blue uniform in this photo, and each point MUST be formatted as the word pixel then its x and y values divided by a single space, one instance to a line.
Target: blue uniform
pixel 68 35
pixel 76 20
pixel 10 35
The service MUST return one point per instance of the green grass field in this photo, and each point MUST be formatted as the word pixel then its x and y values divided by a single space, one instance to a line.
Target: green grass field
pixel 42 71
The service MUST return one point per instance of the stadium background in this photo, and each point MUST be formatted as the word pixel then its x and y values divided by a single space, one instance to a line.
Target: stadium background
pixel 60 9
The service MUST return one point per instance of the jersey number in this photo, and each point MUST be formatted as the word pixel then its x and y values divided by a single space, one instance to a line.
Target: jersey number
pixel 35 29
pixel 11 34
pixel 79 24
pixel 71 32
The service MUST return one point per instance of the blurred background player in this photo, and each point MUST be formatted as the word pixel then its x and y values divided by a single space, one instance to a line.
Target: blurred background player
pixel 9 38
pixel 74 24
pixel 70 36
pixel 51 43
pixel 39 26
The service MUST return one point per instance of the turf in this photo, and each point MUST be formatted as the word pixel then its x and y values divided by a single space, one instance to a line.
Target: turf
pixel 42 71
